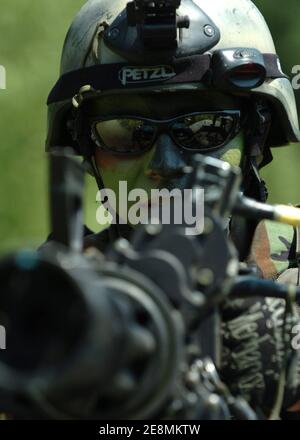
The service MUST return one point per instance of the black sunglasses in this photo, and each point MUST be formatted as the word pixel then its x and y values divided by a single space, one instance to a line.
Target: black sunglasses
pixel 195 132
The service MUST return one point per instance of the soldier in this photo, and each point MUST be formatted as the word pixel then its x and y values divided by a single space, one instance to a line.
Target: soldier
pixel 136 104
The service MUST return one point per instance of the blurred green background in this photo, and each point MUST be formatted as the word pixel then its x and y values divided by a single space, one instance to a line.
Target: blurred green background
pixel 31 39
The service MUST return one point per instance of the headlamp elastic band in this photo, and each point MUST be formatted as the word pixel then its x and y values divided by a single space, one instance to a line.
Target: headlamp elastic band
pixel 193 69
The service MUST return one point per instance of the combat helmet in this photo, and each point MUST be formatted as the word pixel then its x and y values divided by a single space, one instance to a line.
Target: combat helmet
pixel 112 44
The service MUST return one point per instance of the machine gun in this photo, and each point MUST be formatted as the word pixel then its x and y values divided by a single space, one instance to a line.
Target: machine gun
pixel 132 334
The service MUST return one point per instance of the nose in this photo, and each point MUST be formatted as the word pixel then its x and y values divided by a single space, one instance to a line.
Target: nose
pixel 168 160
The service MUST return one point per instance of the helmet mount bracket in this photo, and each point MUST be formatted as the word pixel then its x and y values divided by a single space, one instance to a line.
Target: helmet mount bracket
pixel 156 22
pixel 150 30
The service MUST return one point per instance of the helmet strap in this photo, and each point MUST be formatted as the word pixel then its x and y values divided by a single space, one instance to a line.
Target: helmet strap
pixel 86 148
pixel 113 231
pixel 256 136
pixel 242 230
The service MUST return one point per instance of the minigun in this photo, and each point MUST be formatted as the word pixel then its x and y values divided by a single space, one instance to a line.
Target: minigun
pixel 129 334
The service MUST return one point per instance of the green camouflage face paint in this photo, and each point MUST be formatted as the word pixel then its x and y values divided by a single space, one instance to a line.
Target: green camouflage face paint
pixel 133 171
pixel 233 151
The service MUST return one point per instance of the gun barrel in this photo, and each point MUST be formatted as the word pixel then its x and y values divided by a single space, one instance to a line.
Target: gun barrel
pixel 80 345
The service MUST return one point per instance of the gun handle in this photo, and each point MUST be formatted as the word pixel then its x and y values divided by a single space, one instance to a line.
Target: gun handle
pixel 66 195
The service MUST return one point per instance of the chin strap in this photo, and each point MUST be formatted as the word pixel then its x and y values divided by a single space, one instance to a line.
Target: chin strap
pixel 113 231
pixel 256 185
pixel 86 148
pixel 257 155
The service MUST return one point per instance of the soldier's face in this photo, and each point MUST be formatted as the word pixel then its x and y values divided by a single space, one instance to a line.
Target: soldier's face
pixel 161 166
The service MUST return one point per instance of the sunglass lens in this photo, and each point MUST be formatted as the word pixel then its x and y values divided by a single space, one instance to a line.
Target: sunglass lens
pixel 125 135
pixel 203 131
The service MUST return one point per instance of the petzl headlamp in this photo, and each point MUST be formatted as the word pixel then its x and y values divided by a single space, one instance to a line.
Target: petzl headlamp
pixel 242 68
pixel 224 70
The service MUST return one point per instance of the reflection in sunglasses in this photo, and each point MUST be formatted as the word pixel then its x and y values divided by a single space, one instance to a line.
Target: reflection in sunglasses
pixel 199 131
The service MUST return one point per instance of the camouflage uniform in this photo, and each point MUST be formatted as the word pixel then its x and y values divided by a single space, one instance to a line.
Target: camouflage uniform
pixel 254 347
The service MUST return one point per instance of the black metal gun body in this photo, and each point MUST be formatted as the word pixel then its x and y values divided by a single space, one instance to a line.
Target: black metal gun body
pixel 121 335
